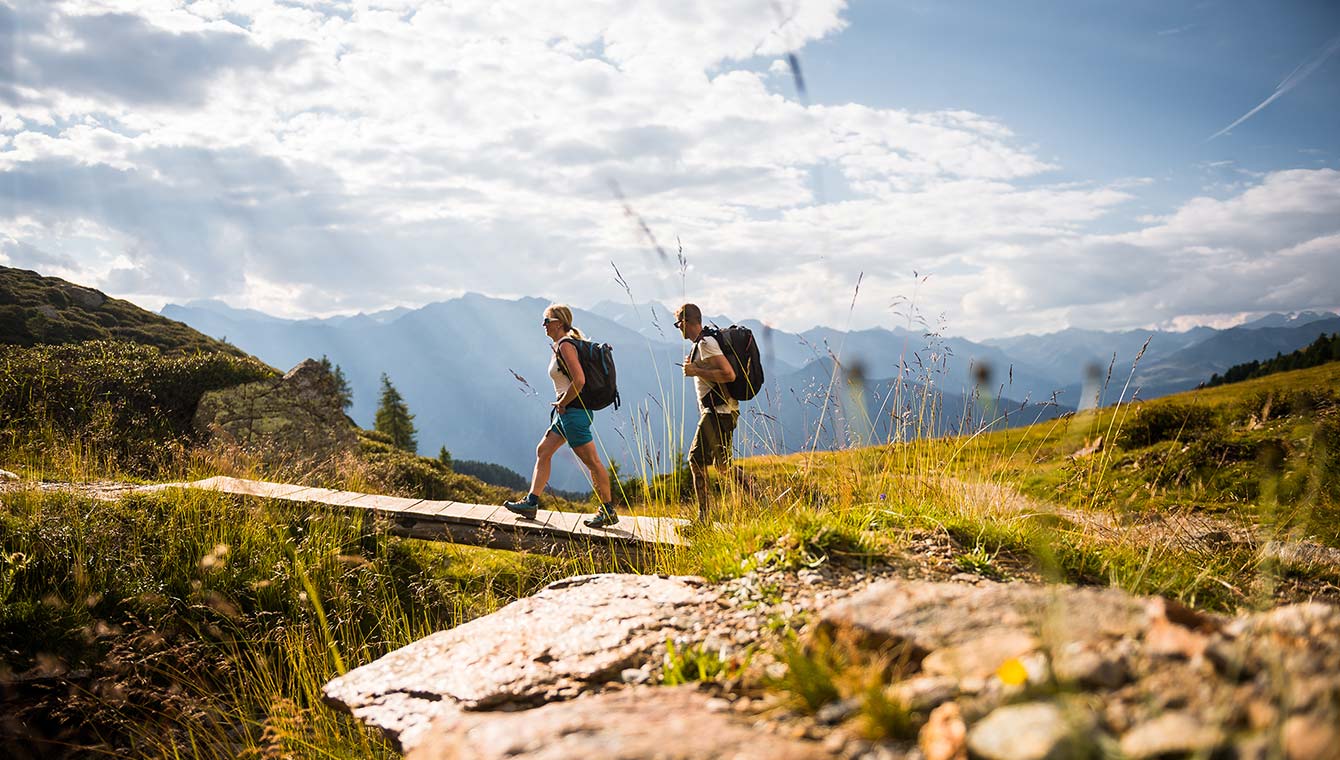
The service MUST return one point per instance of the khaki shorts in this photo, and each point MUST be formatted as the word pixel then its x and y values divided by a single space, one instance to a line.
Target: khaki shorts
pixel 712 442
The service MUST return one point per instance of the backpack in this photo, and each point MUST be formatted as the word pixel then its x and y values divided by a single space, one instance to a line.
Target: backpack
pixel 597 360
pixel 741 350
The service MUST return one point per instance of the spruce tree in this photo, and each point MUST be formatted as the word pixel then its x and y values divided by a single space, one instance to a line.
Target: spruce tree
pixel 342 389
pixel 394 419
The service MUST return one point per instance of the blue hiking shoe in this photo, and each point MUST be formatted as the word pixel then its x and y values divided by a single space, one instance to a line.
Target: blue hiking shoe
pixel 526 508
pixel 604 518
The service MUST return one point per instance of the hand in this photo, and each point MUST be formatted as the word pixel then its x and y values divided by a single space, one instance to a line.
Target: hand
pixel 690 370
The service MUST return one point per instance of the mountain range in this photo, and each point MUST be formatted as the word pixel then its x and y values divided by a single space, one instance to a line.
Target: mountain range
pixel 473 371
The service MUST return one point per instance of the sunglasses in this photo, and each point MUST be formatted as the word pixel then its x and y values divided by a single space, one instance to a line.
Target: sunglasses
pixel 679 324
pixel 547 320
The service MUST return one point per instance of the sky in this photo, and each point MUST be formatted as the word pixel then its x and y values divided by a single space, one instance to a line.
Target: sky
pixel 994 168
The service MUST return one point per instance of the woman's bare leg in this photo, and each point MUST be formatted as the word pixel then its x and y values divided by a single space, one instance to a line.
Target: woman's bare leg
pixel 599 475
pixel 544 455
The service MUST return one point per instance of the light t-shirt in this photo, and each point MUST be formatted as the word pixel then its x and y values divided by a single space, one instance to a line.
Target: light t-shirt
pixel 561 381
pixel 701 355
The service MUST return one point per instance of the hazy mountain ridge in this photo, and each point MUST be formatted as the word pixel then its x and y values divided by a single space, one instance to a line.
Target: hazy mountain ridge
pixel 457 364
pixel 454 361
pixel 1195 364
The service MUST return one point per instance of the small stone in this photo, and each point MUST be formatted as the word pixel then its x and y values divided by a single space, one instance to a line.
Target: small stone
pixel 944 737
pixel 634 676
pixel 7 475
pixel 1077 664
pixel 1261 714
pixel 835 742
pixel 1174 733
pixel 1030 731
pixel 1171 640
pixel 716 705
pixel 834 713
pixel 1304 619
pixel 924 693
pixel 1307 737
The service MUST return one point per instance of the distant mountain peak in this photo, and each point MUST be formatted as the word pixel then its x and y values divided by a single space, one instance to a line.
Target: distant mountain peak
pixel 1287 319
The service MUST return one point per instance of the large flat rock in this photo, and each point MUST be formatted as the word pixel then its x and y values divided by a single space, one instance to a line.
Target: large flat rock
pixel 922 617
pixel 571 636
pixel 647 722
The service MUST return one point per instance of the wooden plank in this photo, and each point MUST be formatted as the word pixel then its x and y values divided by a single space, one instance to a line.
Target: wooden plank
pixel 384 503
pixel 427 507
pixel 343 498
pixel 487 525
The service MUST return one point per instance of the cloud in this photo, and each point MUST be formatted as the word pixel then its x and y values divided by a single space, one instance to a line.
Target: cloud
pixel 309 158
pixel 119 57
pixel 25 256
pixel 1295 78
pixel 1273 247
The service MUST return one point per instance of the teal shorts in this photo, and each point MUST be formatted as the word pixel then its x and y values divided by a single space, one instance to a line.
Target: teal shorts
pixel 574 426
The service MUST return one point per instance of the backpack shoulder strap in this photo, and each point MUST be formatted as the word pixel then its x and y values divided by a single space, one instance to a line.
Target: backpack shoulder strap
pixel 558 353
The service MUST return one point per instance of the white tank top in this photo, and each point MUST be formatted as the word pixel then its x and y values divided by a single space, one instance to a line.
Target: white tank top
pixel 561 381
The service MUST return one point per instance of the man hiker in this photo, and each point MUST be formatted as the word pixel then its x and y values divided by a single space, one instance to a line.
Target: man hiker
pixel 710 370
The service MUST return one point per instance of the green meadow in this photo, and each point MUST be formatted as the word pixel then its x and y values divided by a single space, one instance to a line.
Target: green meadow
pixel 187 624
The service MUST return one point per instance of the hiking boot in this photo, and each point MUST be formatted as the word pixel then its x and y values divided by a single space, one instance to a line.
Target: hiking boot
pixel 526 508
pixel 603 519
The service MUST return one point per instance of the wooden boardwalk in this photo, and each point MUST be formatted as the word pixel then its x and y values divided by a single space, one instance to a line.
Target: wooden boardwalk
pixel 487 525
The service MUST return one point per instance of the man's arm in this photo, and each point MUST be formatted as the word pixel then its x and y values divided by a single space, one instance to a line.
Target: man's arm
pixel 718 369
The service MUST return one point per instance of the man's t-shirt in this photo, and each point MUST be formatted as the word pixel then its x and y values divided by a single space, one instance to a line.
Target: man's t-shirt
pixel 701 355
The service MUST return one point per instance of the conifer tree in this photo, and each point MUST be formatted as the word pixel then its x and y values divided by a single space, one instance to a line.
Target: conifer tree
pixel 444 456
pixel 394 419
pixel 342 390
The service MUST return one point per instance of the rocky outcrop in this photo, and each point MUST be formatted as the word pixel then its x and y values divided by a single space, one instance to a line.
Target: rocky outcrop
pixel 1098 668
pixel 981 670
pixel 643 722
pixel 573 636
pixel 295 419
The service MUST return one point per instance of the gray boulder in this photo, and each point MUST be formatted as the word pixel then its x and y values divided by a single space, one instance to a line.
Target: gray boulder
pixel 296 419
pixel 573 636
pixel 645 722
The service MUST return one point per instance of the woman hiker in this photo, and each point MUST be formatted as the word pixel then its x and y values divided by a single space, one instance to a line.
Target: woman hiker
pixel 571 422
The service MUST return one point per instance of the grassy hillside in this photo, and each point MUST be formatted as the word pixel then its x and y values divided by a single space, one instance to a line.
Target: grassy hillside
pixel 36 310
pixel 114 405
pixel 1178 496
pixel 204 625
pixel 1263 449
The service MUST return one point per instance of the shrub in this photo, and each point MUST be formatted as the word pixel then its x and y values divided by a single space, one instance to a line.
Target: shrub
pixel 399 471
pixel 123 399
pixel 1152 423
pixel 1276 403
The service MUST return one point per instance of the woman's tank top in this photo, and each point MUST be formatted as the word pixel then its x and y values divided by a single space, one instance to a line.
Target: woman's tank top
pixel 561 381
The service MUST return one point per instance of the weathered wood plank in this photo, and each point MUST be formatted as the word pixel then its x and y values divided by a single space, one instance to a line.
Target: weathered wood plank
pixel 488 525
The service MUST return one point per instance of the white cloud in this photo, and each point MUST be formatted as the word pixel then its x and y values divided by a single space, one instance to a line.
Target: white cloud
pixel 1272 247
pixel 317 157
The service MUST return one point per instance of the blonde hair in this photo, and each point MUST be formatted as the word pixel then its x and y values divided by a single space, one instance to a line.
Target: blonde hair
pixel 563 314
